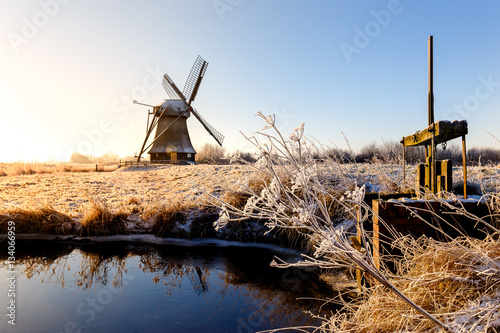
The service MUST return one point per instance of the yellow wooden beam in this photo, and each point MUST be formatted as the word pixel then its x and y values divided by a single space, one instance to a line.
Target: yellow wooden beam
pixel 444 131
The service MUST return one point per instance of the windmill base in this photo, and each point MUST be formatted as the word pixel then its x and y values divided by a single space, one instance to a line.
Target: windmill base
pixel 171 157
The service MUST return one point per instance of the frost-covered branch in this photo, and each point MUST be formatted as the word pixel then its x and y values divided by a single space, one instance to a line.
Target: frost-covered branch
pixel 299 196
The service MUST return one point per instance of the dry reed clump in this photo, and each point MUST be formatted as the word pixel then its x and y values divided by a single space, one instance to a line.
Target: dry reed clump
pixel 239 196
pixel 457 282
pixel 41 220
pixel 169 220
pixel 133 205
pixel 100 221
pixel 134 201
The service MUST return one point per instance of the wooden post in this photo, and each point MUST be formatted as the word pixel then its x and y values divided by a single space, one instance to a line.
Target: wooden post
pixel 432 167
pixel 376 234
pixel 464 157
pixel 404 165
pixel 357 242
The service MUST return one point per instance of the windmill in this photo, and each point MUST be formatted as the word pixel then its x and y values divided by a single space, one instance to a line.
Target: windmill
pixel 171 143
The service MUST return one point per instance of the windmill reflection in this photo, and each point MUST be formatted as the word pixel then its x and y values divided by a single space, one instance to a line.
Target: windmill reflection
pixel 171 273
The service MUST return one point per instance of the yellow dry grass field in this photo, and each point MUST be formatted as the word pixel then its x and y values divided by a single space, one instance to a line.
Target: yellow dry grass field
pixel 136 191
pixel 30 168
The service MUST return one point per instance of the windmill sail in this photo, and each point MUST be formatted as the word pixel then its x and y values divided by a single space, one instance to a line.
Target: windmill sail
pixel 172 142
pixel 171 89
pixel 212 131
pixel 194 79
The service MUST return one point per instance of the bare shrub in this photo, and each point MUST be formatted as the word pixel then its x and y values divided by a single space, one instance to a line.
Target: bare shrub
pixel 107 158
pixel 456 278
pixel 390 152
pixel 243 156
pixel 210 153
pixel 483 155
pixel 368 152
pixel 78 158
pixel 335 154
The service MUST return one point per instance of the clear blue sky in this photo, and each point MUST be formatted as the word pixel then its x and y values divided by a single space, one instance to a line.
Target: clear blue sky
pixel 70 69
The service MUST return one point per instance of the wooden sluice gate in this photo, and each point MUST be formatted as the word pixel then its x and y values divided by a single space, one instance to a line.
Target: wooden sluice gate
pixel 440 220
pixel 425 211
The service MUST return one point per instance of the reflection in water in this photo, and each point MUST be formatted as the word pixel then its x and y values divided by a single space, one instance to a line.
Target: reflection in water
pixel 237 285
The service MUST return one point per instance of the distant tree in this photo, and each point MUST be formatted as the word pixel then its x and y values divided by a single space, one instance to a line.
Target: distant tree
pixel 368 153
pixel 338 155
pixel 243 155
pixel 210 153
pixel 414 155
pixel 108 158
pixel 391 152
pixel 80 159
pixel 483 155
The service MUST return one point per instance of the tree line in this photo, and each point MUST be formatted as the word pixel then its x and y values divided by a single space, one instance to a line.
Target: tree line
pixel 390 152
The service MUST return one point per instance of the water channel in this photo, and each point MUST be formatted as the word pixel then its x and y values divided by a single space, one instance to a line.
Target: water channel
pixel 136 287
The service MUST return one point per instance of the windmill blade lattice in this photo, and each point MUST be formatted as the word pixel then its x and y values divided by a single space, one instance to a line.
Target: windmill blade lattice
pixel 212 131
pixel 172 91
pixel 194 79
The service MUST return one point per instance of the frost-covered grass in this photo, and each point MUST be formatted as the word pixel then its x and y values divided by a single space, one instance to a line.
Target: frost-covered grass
pixel 164 200
pixel 437 286
pixel 457 282
pixel 288 194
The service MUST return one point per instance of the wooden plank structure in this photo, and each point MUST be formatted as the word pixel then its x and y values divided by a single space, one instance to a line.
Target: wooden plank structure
pixel 434 219
pixel 442 131
pixel 423 217
pixel 435 176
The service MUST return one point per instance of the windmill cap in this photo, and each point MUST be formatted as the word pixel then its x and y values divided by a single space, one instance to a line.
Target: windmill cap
pixel 174 108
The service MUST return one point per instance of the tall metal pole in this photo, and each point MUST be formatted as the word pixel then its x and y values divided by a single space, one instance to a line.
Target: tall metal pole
pixel 430 115
pixel 430 112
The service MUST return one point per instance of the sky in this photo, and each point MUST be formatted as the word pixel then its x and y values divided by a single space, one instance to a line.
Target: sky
pixel 347 69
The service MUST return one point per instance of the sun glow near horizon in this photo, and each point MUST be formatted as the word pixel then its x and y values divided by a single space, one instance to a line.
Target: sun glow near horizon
pixel 69 77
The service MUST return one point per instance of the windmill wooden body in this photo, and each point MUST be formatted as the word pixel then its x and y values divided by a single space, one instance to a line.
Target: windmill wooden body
pixel 171 143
